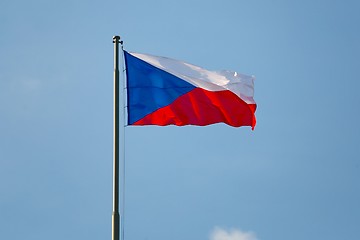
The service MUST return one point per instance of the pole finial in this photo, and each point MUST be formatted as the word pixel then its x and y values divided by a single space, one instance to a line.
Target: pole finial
pixel 116 39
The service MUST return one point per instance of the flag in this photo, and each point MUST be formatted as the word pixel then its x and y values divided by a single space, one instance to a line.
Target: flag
pixel 163 91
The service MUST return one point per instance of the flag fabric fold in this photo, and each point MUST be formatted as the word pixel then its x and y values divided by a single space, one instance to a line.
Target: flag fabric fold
pixel 163 91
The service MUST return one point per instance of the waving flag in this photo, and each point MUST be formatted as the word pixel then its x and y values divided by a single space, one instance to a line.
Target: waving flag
pixel 162 91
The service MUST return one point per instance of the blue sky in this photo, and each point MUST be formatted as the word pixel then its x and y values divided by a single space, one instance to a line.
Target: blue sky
pixel 297 176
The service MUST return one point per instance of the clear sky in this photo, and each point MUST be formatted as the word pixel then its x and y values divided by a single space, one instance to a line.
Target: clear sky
pixel 296 177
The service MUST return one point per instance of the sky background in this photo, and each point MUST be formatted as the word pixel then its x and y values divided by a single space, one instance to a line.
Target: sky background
pixel 296 177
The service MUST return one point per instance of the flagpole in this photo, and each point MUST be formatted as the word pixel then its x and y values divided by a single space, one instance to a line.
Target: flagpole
pixel 115 213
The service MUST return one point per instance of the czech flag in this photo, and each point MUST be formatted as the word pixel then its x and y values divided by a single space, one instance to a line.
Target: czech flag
pixel 163 91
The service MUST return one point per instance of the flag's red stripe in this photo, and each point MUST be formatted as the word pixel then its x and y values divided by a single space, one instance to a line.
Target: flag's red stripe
pixel 202 107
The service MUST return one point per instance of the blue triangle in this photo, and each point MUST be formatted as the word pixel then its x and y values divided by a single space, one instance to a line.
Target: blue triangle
pixel 150 88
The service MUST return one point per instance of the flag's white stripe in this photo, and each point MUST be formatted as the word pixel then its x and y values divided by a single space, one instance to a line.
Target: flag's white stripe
pixel 240 84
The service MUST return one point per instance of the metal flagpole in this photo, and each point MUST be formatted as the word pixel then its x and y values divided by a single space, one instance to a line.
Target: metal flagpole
pixel 115 213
